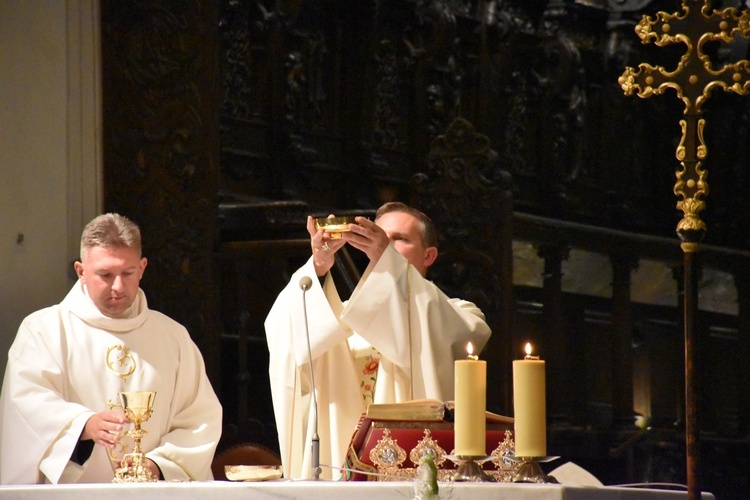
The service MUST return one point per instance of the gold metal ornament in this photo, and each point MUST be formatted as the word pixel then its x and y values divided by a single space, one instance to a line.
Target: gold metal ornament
pixel 387 455
pixel 693 80
pixel 122 365
pixel 503 456
pixel 334 226
pixel 138 407
pixel 427 446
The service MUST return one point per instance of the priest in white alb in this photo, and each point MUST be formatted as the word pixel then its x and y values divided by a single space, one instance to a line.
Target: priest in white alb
pixel 59 419
pixel 394 340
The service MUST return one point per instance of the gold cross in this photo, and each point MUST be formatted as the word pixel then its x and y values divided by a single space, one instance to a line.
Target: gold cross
pixel 692 80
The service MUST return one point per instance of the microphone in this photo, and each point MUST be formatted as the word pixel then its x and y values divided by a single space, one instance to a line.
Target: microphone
pixel 305 283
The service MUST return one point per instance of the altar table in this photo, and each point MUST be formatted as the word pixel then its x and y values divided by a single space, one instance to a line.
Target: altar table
pixel 327 490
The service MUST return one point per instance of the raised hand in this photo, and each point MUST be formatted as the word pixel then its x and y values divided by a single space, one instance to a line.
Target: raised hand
pixel 368 237
pixel 323 247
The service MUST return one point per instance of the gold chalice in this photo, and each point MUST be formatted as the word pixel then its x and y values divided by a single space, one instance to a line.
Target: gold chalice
pixel 334 225
pixel 138 406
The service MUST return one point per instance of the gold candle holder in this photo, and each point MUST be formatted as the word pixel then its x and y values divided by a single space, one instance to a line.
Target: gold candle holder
pixel 531 472
pixel 138 406
pixel 334 226
pixel 469 469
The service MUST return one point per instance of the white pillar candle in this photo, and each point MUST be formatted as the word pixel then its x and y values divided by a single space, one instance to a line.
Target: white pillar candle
pixel 530 408
pixel 470 406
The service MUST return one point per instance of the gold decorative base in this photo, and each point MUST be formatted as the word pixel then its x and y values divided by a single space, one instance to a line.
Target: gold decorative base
pixel 388 458
pixel 531 472
pixel 134 469
pixel 136 472
pixel 469 469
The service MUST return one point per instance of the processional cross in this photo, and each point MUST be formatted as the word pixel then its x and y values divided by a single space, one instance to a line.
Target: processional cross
pixel 692 80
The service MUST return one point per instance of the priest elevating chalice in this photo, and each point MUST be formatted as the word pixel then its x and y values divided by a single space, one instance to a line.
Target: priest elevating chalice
pixel 137 406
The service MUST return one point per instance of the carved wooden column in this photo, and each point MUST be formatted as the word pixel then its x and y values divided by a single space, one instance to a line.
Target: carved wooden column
pixel 622 341
pixel 553 347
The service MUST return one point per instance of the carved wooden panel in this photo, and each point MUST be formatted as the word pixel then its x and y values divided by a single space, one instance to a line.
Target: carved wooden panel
pixel 160 150
pixel 467 195
pixel 351 95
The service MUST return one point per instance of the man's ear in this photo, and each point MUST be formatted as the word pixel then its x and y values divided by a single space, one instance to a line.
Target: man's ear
pixel 142 266
pixel 78 266
pixel 430 255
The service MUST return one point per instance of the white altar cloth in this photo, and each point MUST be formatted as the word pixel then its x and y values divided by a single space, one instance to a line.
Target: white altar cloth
pixel 325 490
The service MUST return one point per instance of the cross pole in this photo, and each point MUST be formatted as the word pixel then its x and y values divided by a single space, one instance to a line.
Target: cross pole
pixel 693 80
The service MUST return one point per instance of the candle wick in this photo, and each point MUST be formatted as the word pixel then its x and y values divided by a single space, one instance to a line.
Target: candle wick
pixel 529 356
pixel 472 357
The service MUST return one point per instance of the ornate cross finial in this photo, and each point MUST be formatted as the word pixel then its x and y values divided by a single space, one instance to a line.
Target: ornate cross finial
pixel 692 80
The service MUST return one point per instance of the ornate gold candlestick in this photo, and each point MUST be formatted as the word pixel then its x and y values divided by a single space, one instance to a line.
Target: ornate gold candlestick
pixel 138 406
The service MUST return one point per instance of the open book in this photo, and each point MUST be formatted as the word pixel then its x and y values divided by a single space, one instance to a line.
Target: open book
pixel 428 410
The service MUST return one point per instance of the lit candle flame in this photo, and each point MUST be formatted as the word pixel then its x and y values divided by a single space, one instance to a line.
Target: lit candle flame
pixel 470 352
pixel 528 352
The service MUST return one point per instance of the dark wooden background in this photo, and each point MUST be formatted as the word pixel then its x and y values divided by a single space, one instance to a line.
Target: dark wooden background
pixel 226 123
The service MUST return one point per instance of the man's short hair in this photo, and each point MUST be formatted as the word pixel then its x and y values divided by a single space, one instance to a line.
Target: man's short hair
pixel 111 230
pixel 427 228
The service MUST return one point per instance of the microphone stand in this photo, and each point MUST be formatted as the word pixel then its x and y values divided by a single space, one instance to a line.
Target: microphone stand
pixel 305 283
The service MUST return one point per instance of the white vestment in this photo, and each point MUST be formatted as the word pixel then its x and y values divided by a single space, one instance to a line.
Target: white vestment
pixel 69 362
pixel 417 329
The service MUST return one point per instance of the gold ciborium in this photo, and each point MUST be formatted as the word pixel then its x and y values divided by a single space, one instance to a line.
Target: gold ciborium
pixel 138 406
pixel 334 225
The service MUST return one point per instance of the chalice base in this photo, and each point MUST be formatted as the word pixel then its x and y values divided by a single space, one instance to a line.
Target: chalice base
pixel 137 472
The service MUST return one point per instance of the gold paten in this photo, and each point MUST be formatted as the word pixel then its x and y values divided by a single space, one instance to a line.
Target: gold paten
pixel 334 225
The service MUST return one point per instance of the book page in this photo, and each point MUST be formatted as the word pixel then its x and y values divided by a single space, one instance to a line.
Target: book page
pixel 424 410
pixel 418 409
